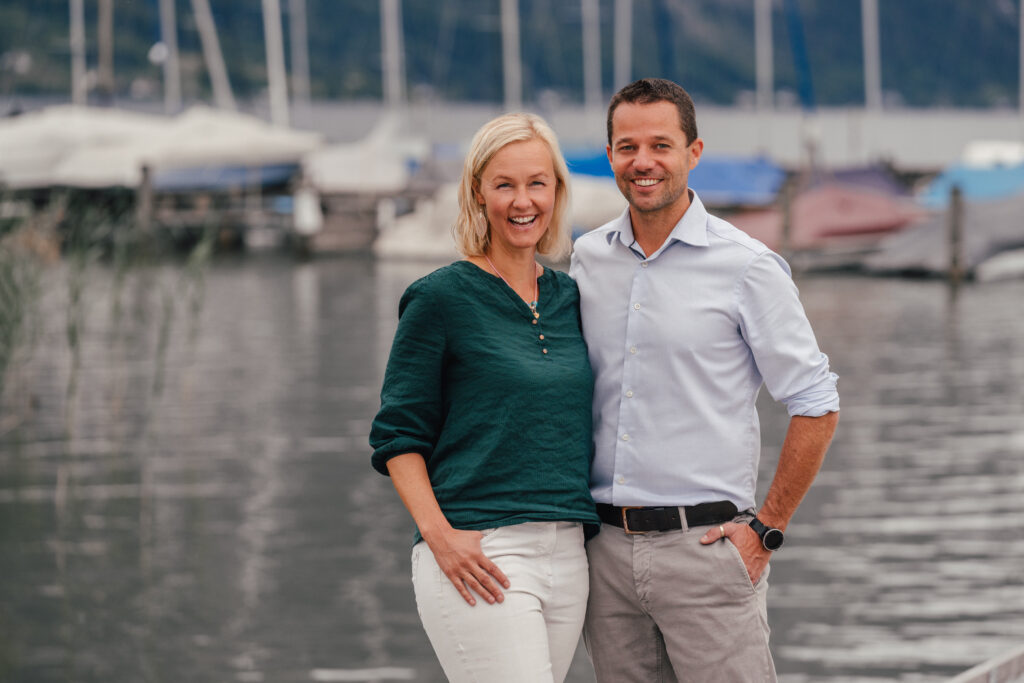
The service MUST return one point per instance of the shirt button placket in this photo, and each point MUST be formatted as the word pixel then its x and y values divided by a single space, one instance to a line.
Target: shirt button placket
pixel 625 450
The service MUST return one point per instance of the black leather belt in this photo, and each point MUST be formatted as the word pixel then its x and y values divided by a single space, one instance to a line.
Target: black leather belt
pixel 638 520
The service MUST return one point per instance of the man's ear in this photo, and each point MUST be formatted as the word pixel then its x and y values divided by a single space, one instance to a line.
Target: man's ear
pixel 696 149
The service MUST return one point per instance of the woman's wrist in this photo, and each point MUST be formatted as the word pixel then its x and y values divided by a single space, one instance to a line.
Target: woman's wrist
pixel 435 531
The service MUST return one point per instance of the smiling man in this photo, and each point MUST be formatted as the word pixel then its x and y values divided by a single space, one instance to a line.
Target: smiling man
pixel 685 318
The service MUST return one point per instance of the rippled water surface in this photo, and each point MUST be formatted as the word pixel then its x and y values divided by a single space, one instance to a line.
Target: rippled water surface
pixel 185 491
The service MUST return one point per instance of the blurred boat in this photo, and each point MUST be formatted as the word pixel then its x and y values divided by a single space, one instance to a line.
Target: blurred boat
pixel 202 169
pixel 354 182
pixel 834 221
pixel 425 233
pixel 721 181
pixel 987 170
pixel 91 147
pixel 990 177
pixel 989 229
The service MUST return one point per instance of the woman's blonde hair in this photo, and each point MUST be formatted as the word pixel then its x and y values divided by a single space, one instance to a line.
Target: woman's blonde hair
pixel 471 231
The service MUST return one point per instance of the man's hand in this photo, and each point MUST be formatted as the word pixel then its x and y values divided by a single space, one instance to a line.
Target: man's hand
pixel 746 540
pixel 460 557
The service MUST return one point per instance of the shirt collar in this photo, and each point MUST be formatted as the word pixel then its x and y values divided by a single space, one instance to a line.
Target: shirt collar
pixel 691 229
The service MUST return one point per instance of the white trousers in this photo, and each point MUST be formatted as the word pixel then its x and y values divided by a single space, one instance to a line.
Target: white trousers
pixel 531 637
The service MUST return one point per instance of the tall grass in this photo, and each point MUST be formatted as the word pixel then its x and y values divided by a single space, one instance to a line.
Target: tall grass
pixel 96 242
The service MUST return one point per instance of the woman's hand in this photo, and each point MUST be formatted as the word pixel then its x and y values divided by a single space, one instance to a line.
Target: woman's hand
pixel 460 557
pixel 456 551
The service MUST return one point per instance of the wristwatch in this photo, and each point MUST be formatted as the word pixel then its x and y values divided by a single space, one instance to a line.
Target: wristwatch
pixel 771 538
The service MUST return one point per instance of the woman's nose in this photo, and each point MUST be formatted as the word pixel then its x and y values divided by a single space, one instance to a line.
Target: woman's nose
pixel 522 198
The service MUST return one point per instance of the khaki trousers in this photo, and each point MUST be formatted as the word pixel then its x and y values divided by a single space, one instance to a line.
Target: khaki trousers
pixel 664 608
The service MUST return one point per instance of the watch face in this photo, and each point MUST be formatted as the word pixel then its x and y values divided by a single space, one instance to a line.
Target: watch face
pixel 772 539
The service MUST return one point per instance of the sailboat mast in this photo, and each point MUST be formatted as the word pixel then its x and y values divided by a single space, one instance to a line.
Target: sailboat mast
pixel 300 54
pixel 764 55
pixel 276 76
pixel 623 43
pixel 79 93
pixel 510 58
pixel 222 95
pixel 872 55
pixel 393 57
pixel 105 50
pixel 172 70
pixel 1020 87
pixel 591 13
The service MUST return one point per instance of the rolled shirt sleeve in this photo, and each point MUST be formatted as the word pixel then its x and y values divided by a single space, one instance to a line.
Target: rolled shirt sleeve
pixel 775 326
pixel 410 415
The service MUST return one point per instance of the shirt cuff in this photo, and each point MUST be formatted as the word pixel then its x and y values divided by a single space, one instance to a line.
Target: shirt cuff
pixel 395 448
pixel 816 401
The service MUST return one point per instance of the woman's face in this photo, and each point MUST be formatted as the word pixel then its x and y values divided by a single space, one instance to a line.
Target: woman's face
pixel 517 191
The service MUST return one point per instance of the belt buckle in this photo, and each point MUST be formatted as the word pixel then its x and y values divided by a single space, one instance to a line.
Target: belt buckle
pixel 625 524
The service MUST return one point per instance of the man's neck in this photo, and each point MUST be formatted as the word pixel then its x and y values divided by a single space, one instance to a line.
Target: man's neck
pixel 652 228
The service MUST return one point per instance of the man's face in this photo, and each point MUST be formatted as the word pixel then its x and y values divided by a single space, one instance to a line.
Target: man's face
pixel 651 157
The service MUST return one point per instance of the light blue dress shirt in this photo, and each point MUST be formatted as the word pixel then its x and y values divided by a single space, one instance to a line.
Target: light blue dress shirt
pixel 680 343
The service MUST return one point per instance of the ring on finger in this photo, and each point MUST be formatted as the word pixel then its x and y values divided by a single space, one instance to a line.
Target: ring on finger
pixel 721 528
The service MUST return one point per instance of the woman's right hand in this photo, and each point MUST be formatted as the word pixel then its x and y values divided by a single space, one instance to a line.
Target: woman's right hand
pixel 460 557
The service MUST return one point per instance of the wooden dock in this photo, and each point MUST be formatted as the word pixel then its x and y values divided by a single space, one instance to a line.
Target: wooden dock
pixel 1008 668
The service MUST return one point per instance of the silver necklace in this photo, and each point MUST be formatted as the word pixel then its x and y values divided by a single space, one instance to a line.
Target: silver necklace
pixel 536 287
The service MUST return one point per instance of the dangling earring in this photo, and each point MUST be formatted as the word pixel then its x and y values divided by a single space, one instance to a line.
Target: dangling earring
pixel 480 222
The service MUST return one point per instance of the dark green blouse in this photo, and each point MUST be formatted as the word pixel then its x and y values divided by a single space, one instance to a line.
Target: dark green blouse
pixel 498 404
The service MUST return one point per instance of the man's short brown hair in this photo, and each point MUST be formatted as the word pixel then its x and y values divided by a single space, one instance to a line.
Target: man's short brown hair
pixel 651 90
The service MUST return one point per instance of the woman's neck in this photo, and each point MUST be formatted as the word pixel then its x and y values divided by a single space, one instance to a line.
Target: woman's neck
pixel 517 268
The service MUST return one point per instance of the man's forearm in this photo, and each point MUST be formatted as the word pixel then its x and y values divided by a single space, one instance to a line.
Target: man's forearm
pixel 803 451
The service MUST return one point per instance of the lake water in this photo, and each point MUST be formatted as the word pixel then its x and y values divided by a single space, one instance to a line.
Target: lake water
pixel 185 491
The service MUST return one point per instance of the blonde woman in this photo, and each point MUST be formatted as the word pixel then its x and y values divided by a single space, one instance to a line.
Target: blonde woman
pixel 485 421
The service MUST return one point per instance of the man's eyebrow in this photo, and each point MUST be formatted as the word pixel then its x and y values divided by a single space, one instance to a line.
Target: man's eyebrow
pixel 659 138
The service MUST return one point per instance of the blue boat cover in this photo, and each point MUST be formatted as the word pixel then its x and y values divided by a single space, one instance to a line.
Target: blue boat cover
pixel 720 181
pixel 976 184
pixel 222 177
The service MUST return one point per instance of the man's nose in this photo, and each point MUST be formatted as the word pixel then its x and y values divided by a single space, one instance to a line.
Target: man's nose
pixel 643 161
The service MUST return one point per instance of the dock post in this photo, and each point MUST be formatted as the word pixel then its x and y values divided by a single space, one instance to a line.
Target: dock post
pixel 786 196
pixel 144 201
pixel 956 221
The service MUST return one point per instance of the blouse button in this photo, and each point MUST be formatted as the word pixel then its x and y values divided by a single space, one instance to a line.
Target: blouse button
pixel 534 321
pixel 541 336
pixel 543 350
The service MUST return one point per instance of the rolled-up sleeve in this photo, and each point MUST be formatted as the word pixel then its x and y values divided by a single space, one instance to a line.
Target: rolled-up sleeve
pixel 775 326
pixel 411 401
